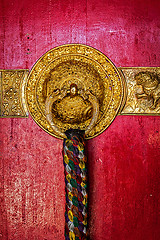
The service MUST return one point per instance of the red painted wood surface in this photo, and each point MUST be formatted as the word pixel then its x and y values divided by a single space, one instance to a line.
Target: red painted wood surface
pixel 124 161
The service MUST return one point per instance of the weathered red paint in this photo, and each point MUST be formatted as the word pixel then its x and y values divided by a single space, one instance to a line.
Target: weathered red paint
pixel 124 161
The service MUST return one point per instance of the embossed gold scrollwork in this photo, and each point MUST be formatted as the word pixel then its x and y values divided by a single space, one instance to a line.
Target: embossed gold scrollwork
pixel 150 87
pixel 12 100
pixel 143 84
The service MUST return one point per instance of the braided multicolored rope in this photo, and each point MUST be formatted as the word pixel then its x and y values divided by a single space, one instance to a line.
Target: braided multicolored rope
pixel 74 160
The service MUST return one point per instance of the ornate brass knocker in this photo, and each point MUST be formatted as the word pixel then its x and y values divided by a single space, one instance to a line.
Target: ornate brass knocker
pixel 60 94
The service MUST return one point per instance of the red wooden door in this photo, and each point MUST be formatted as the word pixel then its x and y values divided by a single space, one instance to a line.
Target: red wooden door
pixel 124 161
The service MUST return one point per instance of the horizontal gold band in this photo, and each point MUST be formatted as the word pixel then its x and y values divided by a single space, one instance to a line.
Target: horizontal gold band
pixel 143 91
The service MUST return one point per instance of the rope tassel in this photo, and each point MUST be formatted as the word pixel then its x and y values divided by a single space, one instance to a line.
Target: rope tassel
pixel 74 160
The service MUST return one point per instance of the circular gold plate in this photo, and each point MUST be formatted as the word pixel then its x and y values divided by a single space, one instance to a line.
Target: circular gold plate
pixel 90 70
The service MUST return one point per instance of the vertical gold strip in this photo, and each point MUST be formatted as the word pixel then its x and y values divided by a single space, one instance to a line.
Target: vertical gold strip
pixel 22 92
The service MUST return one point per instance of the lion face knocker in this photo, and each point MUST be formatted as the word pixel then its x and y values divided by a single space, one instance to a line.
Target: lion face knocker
pixel 150 83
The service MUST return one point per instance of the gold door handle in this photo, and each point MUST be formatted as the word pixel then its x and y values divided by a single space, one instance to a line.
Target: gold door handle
pixel 60 94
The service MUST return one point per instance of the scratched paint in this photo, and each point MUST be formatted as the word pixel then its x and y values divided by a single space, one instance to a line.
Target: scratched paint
pixel 123 162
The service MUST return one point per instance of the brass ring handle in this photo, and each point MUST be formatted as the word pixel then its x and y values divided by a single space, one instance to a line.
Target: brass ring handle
pixel 48 109
pixel 59 95
pixel 95 104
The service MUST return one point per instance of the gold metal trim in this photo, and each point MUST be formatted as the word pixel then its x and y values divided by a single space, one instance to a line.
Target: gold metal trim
pixel 143 85
pixel 12 97
pixel 86 67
